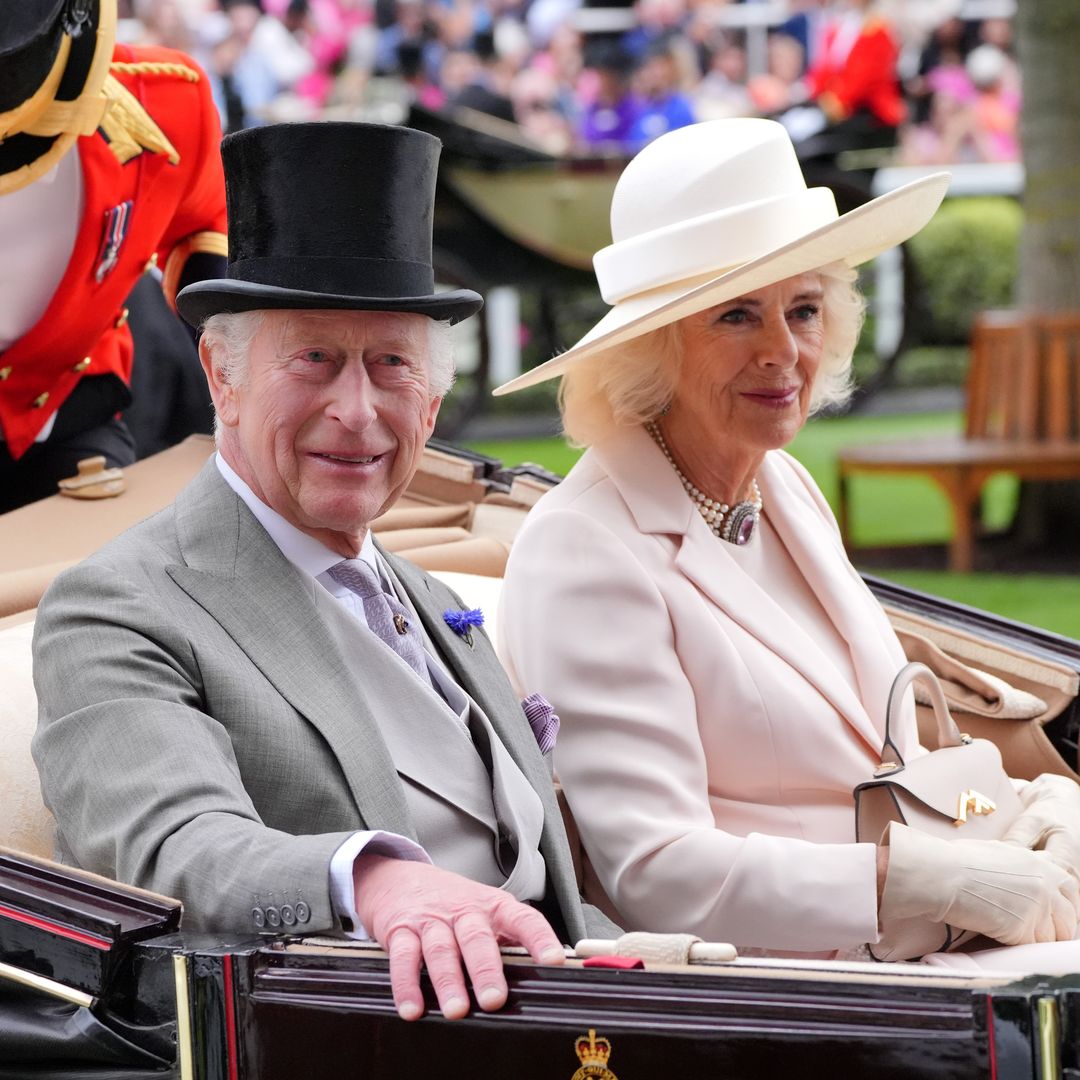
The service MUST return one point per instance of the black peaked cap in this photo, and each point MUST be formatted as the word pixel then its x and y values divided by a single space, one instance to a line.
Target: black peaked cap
pixel 30 36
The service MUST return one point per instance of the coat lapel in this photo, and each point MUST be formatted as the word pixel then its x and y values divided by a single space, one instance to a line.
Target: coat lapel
pixel 818 552
pixel 480 673
pixel 652 491
pixel 237 574
pixel 477 669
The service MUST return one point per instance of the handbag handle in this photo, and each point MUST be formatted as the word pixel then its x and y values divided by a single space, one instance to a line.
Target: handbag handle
pixel 948 732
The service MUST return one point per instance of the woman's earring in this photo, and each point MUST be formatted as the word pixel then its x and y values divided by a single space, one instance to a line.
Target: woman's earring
pixel 665 410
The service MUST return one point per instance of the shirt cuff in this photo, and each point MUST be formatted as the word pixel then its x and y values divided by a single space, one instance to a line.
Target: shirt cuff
pixel 342 891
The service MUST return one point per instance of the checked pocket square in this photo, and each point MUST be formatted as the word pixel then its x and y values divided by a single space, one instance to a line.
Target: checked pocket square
pixel 543 720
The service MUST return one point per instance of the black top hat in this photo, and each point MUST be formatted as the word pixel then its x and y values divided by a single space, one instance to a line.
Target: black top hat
pixel 329 215
pixel 52 52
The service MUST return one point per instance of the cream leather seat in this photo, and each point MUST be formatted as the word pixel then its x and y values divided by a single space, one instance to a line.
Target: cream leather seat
pixel 25 824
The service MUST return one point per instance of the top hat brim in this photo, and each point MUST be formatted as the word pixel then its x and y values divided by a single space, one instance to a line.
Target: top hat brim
pixel 856 237
pixel 217 296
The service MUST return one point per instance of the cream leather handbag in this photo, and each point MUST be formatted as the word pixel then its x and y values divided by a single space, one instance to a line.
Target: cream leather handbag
pixel 959 791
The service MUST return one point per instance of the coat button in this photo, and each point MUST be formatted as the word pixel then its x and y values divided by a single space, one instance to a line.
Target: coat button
pixel 5 372
pixel 303 912
pixel 288 916
pixel 258 917
pixel 82 365
pixel 122 318
pixel 40 400
pixel 273 916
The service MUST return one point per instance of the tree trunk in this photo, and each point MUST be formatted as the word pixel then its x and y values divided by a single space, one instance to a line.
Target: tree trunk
pixel 1048 46
pixel 1048 42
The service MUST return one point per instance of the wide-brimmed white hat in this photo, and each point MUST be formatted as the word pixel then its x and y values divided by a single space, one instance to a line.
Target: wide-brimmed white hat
pixel 715 210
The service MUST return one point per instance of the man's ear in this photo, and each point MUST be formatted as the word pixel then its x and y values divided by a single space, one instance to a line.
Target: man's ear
pixel 222 392
pixel 432 416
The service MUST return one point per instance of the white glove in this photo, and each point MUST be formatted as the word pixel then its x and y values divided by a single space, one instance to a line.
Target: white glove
pixel 1050 821
pixel 1006 892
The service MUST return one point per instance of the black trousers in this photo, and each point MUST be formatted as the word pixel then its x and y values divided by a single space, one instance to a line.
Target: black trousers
pixel 86 425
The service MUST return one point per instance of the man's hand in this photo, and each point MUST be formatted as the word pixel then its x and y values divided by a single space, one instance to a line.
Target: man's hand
pixel 419 913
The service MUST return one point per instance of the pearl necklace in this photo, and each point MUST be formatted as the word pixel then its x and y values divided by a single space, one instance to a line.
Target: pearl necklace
pixel 734 524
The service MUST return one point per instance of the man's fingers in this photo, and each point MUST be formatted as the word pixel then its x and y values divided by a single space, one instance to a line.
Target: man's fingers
pixel 403 948
pixel 519 924
pixel 444 969
pixel 480 951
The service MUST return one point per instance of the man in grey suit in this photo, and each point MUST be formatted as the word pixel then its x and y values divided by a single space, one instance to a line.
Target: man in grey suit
pixel 244 702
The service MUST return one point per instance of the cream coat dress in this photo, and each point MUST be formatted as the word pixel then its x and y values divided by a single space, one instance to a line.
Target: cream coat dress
pixel 714 720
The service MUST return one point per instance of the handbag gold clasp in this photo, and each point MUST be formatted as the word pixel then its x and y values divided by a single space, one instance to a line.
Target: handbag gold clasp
pixel 971 801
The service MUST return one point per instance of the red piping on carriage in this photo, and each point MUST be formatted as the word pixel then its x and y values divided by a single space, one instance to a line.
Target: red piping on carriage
pixel 83 938
pixel 991 1047
pixel 230 1017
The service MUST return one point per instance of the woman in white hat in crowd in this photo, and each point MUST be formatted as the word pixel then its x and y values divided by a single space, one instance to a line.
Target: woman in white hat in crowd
pixel 684 600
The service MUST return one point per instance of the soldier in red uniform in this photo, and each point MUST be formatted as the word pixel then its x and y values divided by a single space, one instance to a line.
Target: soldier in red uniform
pixel 109 164
pixel 855 70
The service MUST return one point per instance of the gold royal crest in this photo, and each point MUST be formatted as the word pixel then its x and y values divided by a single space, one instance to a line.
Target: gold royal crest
pixel 593 1054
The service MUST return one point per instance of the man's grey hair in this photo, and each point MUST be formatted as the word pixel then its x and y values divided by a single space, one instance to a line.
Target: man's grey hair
pixel 229 335
pixel 629 384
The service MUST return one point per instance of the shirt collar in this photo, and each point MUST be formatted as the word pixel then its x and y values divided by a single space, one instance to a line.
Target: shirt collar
pixel 307 554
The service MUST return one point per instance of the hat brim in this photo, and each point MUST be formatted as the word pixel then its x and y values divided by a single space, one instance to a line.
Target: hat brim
pixel 25 158
pixel 854 238
pixel 216 296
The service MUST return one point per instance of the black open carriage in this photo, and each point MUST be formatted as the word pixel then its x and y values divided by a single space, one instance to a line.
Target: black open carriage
pixel 88 990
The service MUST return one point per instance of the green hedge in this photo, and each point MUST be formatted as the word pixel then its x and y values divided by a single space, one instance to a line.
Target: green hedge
pixel 966 258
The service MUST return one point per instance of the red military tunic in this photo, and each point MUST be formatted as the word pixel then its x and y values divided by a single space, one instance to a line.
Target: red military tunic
pixel 153 188
pixel 860 74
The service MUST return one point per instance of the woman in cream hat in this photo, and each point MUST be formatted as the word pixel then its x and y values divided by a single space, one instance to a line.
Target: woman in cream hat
pixel 683 597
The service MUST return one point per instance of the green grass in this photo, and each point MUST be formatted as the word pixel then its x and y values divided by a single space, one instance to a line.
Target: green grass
pixel 1050 601
pixel 893 510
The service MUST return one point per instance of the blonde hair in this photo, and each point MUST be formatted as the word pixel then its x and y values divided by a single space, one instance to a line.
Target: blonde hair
pixel 632 383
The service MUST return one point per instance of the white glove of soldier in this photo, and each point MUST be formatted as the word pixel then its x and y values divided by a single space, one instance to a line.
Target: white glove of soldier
pixel 1050 821
pixel 1010 894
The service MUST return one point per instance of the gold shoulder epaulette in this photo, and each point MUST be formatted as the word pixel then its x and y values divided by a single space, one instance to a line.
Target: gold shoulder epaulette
pixel 129 128
pixel 151 67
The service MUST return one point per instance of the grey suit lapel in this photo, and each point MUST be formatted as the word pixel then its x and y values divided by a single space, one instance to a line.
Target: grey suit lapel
pixel 291 630
pixel 476 668
pixel 479 672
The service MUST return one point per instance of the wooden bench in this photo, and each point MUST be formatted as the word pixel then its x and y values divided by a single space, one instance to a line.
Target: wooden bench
pixel 1022 417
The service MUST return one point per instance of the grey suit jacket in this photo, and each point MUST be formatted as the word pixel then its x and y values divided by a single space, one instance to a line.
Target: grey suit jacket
pixel 203 734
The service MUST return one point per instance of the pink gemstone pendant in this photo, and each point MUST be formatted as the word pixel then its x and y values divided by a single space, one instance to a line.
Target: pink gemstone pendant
pixel 740 523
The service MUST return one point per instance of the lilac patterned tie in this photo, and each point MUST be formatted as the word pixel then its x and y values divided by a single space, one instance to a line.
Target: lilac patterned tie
pixel 384 614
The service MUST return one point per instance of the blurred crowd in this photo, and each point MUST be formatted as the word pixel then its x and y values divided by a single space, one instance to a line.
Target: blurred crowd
pixel 929 81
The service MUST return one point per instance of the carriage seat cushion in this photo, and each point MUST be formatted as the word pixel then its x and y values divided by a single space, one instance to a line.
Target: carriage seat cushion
pixel 25 824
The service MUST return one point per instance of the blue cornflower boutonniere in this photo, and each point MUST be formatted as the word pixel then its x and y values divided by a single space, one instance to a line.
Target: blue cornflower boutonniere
pixel 462 622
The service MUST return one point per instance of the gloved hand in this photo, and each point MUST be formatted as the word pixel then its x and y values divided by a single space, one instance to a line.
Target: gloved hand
pixel 1010 894
pixel 1050 821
